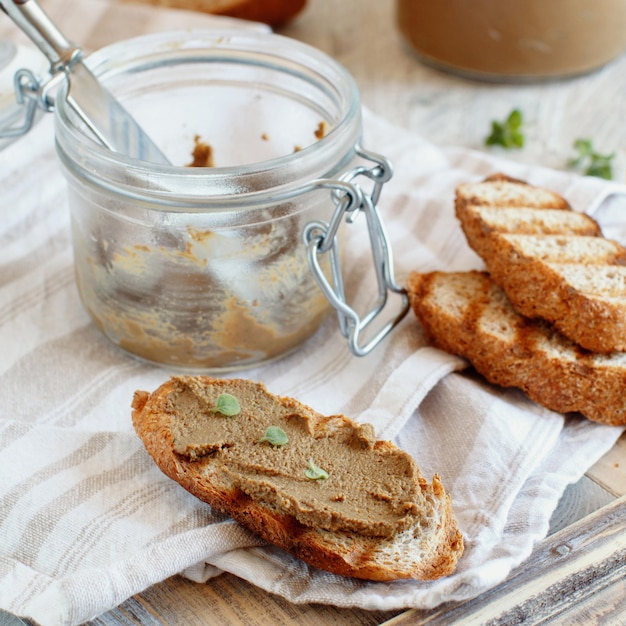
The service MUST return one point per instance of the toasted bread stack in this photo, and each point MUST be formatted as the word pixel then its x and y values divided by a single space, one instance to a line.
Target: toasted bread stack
pixel 551 262
pixel 549 317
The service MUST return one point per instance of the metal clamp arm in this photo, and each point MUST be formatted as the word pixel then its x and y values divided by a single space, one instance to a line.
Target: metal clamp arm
pixel 321 239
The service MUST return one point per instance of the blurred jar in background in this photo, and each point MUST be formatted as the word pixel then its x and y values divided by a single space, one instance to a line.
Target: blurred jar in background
pixel 514 40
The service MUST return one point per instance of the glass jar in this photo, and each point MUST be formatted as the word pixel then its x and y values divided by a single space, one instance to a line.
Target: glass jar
pixel 209 268
pixel 514 39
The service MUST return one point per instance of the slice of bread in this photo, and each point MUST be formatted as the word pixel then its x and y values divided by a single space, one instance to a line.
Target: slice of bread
pixel 501 190
pixel 272 12
pixel 373 517
pixel 467 314
pixel 552 262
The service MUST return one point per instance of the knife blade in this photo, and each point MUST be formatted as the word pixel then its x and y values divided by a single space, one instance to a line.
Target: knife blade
pixel 112 125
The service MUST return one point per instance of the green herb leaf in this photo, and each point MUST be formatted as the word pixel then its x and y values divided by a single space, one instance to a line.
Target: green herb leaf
pixel 275 435
pixel 507 134
pixel 590 162
pixel 313 472
pixel 227 405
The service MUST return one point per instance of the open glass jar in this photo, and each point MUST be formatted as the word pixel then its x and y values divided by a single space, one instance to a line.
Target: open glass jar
pixel 220 268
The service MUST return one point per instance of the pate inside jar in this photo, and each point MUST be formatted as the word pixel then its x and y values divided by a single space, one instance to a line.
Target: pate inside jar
pixel 205 268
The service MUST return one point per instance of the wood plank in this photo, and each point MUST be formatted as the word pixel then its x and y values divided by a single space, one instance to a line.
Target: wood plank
pixel 227 599
pixel 610 471
pixel 581 570
pixel 578 500
pixel 606 608
pixel 6 619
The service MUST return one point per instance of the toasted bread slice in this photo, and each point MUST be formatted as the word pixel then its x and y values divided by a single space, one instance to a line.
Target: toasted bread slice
pixel 272 12
pixel 552 262
pixel 373 517
pixel 501 190
pixel 467 314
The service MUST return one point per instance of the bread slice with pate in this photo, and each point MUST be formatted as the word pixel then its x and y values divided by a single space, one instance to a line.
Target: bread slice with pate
pixel 467 314
pixel 320 487
pixel 552 262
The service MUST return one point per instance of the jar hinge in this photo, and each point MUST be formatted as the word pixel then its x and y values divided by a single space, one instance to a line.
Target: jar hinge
pixel 31 93
pixel 321 238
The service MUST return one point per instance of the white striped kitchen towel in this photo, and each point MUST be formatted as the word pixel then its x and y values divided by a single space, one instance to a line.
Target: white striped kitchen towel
pixel 86 518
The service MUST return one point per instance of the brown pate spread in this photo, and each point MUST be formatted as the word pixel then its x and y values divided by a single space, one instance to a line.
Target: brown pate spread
pixel 372 487
pixel 202 154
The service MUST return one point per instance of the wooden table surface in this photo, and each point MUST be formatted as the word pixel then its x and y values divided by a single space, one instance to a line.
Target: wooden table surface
pixel 577 575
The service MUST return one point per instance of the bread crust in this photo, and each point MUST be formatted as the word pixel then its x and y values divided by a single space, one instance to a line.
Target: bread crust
pixel 561 290
pixel 272 12
pixel 516 351
pixel 424 554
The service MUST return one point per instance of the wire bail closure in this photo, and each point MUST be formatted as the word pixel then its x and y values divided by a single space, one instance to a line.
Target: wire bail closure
pixel 32 94
pixel 321 239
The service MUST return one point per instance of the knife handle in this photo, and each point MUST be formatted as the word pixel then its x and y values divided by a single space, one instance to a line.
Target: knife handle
pixel 40 29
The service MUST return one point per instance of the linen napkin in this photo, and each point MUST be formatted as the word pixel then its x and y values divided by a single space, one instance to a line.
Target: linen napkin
pixel 86 518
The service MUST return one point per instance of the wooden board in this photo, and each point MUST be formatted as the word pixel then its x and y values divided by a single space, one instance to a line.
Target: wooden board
pixel 580 570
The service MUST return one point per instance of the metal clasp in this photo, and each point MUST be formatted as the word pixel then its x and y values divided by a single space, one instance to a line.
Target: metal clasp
pixel 321 239
pixel 31 93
